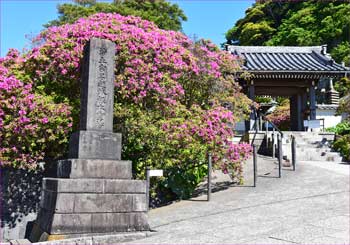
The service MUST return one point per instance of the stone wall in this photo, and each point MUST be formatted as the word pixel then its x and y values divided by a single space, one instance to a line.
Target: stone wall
pixel 20 195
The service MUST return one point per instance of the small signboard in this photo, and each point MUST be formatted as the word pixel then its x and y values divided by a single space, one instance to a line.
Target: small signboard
pixel 312 123
pixel 155 172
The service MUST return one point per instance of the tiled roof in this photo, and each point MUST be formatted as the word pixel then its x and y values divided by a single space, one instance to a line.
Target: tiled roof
pixel 284 59
pixel 327 107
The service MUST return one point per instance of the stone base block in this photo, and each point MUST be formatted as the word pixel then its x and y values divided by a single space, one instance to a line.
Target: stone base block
pixel 95 145
pixel 90 206
pixel 94 168
pixel 78 223
pixel 96 186
pixel 92 202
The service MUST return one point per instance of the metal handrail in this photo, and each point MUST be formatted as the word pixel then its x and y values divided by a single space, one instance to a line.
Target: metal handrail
pixel 255 126
pixel 273 125
pixel 322 119
pixel 263 116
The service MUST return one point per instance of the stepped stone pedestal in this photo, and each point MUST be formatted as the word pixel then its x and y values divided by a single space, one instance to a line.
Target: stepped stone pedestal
pixel 94 192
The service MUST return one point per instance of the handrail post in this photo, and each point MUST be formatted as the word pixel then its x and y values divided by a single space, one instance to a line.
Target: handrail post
pixel 273 144
pixel 293 152
pixel 256 122
pixel 260 123
pixel 322 124
pixel 266 130
pixel 209 176
pixel 148 178
pixel 255 158
pixel 279 142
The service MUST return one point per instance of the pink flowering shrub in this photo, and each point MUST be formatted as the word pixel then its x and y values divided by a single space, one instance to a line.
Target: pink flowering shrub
pixel 32 127
pixel 281 116
pixel 168 91
pixel 213 129
pixel 179 142
pixel 154 67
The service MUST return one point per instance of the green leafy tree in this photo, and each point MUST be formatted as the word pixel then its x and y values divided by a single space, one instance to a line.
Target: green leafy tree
pixel 296 23
pixel 342 52
pixel 165 15
pixel 259 24
pixel 343 86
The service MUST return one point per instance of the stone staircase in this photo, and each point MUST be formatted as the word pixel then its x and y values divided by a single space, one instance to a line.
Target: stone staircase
pixel 312 146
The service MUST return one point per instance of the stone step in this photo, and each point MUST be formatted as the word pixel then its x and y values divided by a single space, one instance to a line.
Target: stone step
pixel 316 156
pixel 94 185
pixel 94 168
pixel 312 138
pixel 316 137
pixel 313 141
pixel 313 150
pixel 92 202
pixel 313 145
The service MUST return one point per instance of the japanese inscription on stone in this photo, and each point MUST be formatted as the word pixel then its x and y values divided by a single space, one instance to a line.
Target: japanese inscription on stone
pixel 97 86
pixel 95 139
pixel 101 88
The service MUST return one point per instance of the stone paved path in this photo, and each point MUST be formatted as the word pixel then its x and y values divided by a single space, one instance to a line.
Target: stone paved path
pixel 309 206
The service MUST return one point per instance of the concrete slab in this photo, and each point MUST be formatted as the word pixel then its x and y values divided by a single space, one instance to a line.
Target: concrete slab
pixel 309 205
pixel 20 242
pixel 330 240
pixel 100 239
pixel 338 222
pixel 302 234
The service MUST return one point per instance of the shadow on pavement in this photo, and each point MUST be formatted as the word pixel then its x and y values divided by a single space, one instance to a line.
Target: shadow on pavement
pixel 202 189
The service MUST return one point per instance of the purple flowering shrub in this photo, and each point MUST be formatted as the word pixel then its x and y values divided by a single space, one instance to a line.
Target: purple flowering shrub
pixel 32 127
pixel 168 91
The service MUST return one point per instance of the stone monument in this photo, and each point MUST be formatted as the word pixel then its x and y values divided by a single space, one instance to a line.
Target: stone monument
pixel 93 193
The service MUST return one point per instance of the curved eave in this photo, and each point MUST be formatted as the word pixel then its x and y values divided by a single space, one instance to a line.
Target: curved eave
pixel 296 74
pixel 327 107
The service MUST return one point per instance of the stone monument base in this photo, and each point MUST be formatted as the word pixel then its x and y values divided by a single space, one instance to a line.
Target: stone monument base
pixel 91 196
pixel 95 145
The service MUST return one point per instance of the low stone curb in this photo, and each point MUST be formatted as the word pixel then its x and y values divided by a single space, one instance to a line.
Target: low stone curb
pixel 105 239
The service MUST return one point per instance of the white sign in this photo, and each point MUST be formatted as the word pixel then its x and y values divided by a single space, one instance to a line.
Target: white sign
pixel 156 172
pixel 313 123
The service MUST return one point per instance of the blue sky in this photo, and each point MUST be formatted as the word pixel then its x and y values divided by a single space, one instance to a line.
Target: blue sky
pixel 210 19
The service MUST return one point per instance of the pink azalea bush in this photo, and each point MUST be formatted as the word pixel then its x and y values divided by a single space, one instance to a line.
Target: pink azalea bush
pixel 281 116
pixel 32 127
pixel 212 128
pixel 169 90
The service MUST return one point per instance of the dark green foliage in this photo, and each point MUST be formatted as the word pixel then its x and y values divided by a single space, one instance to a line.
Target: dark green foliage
pixel 262 100
pixel 259 24
pixel 343 86
pixel 342 52
pixel 342 128
pixel 183 183
pixel 343 145
pixel 342 142
pixel 296 23
pixel 165 15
